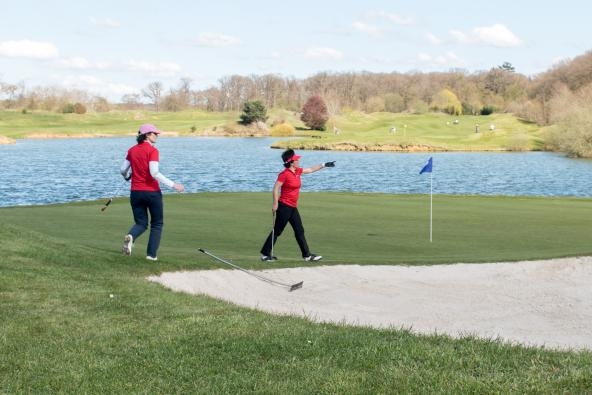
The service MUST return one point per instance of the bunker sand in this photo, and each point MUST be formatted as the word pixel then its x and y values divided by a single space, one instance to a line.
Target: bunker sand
pixel 534 303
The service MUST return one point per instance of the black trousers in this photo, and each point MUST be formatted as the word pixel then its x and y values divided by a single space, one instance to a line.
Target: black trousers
pixel 284 215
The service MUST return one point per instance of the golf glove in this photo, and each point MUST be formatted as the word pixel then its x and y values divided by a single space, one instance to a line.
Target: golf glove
pixel 329 164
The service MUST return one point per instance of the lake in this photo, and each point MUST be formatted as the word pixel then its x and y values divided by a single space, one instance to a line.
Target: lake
pixel 65 170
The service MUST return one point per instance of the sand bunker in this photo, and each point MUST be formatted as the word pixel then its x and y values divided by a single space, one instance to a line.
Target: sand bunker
pixel 539 303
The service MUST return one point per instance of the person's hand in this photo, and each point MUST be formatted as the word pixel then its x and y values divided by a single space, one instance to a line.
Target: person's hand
pixel 179 187
pixel 329 164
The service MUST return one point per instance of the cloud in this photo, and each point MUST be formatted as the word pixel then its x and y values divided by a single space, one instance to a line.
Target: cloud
pixel 28 49
pixel 80 63
pixel 399 20
pixel 162 68
pixel 366 28
pixel 96 85
pixel 104 23
pixel 395 18
pixel 377 23
pixel 460 37
pixel 448 60
pixel 323 53
pixel 496 35
pixel 217 40
pixel 373 60
pixel 433 39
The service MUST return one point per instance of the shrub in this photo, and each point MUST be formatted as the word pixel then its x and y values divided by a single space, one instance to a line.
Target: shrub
pixel 68 108
pixel 253 111
pixel 394 102
pixel 446 101
pixel 79 108
pixel 74 108
pixel 282 130
pixel 573 135
pixel 487 110
pixel 314 113
pixel 418 106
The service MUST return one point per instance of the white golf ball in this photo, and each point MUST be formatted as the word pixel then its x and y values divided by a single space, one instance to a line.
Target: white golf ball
pixel 110 295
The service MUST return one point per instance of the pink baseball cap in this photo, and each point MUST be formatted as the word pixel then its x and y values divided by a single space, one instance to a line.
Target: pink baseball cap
pixel 293 158
pixel 148 128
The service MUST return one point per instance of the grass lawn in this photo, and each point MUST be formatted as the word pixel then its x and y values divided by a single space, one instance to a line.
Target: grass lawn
pixel 439 132
pixel 359 131
pixel 14 124
pixel 62 333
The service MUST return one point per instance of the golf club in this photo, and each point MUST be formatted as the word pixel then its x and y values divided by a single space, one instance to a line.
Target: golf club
pixel 116 194
pixel 291 287
pixel 272 233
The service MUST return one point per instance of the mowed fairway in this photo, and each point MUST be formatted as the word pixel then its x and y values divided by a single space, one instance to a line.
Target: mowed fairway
pixel 62 332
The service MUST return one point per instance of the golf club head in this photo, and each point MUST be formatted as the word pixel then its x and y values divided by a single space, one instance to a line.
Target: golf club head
pixel 106 204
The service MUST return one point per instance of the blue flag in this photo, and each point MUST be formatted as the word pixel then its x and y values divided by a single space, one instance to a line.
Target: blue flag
pixel 428 167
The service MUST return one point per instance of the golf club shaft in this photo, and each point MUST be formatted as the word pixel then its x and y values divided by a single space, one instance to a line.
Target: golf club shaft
pixel 291 287
pixel 272 232
pixel 115 194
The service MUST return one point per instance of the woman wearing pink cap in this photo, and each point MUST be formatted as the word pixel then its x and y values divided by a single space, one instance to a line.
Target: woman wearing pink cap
pixel 285 201
pixel 145 195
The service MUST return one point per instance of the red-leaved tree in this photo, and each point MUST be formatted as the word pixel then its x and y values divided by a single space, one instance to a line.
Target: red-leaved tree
pixel 314 113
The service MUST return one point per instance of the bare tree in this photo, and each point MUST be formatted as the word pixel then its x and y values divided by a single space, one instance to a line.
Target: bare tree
pixel 153 91
pixel 130 100
pixel 10 91
pixel 184 92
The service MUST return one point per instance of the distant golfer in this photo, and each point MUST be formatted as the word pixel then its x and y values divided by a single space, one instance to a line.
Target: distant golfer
pixel 284 207
pixel 145 195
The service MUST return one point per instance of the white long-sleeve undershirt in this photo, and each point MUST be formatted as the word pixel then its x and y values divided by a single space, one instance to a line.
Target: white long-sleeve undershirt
pixel 154 172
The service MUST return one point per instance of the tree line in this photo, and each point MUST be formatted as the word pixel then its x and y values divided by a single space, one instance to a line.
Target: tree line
pixel 559 96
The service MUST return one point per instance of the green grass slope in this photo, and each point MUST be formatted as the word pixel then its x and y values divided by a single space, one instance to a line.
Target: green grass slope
pixel 63 333
pixel 15 124
pixel 428 132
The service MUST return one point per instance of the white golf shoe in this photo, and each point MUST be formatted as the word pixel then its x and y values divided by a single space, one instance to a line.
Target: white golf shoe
pixel 128 242
pixel 313 257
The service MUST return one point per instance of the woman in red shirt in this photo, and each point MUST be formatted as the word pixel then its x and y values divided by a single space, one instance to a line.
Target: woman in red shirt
pixel 145 196
pixel 285 205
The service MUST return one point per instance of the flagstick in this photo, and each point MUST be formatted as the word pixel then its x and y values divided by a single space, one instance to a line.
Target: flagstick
pixel 430 207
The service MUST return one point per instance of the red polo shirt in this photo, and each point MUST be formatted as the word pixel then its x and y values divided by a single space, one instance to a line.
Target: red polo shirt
pixel 290 189
pixel 140 155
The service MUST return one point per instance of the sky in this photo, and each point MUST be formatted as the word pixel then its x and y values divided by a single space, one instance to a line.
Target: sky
pixel 112 48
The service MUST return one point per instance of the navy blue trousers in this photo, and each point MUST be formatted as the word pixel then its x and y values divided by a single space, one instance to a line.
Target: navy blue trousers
pixel 144 203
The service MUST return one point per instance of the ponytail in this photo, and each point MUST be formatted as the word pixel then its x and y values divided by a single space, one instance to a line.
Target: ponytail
pixel 141 138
